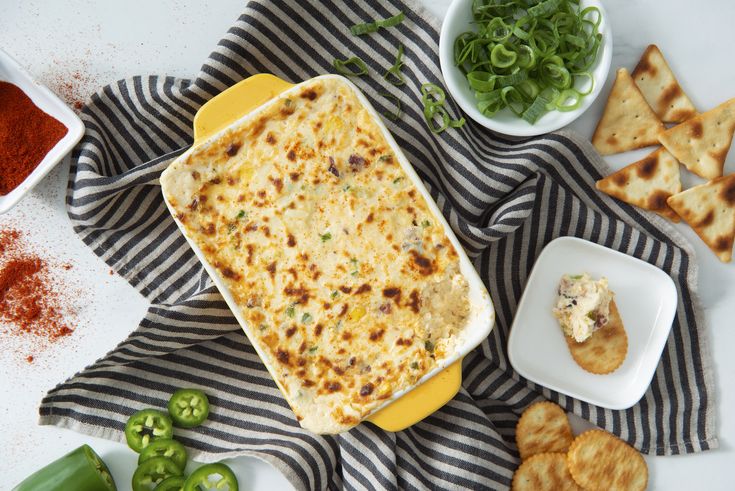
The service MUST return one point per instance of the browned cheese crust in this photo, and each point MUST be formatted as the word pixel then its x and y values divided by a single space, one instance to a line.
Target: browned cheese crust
pixel 347 281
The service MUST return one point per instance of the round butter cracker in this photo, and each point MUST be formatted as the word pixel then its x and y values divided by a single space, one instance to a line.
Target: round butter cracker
pixel 544 472
pixel 599 461
pixel 605 350
pixel 543 427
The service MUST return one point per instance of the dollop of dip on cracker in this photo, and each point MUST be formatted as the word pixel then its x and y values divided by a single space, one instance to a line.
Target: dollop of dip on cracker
pixel 583 305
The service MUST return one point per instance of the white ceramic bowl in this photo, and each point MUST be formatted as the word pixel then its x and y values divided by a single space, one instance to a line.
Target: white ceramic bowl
pixel 646 298
pixel 458 20
pixel 47 101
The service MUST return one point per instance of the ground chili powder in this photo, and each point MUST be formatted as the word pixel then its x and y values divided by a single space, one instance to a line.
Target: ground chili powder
pixel 29 301
pixel 27 134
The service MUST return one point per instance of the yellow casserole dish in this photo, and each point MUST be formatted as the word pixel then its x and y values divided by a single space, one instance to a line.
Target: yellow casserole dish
pixel 330 252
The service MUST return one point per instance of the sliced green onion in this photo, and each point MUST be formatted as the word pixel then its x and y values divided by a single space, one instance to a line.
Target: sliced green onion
pixel 502 57
pixel 513 99
pixel 541 105
pixel 394 75
pixel 524 27
pixel 436 116
pixel 526 57
pixel 567 94
pixel 498 30
pixel 482 81
pixel 529 88
pixel 544 8
pixel 489 103
pixel 589 77
pixel 342 67
pixel 598 20
pixel 513 79
pixel 397 113
pixel 367 27
pixel 530 56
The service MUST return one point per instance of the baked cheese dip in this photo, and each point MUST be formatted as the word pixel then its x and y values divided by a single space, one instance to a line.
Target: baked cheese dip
pixel 349 286
pixel 583 305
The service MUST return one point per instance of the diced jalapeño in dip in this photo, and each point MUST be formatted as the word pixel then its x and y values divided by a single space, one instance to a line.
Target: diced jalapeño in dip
pixel 583 305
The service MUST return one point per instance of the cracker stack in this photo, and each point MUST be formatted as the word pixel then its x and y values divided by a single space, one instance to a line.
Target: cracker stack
pixel 552 461
pixel 633 118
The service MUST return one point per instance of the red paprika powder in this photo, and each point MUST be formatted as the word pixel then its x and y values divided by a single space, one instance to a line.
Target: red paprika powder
pixel 29 300
pixel 27 134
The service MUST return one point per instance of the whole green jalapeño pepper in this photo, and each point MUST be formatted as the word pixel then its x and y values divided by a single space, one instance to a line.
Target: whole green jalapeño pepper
pixel 81 470
pixel 145 426
pixel 212 477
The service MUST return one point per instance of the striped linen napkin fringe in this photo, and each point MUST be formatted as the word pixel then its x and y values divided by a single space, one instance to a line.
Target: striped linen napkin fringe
pixel 505 200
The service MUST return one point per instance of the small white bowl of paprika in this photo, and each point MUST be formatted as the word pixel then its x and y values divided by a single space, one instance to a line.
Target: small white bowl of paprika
pixel 36 131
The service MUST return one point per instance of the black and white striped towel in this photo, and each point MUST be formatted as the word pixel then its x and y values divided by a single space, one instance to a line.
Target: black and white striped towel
pixel 505 200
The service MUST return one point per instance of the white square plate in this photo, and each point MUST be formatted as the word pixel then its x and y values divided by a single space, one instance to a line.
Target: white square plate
pixel 47 101
pixel 646 298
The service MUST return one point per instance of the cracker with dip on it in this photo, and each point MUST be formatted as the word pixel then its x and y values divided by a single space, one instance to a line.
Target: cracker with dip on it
pixel 592 326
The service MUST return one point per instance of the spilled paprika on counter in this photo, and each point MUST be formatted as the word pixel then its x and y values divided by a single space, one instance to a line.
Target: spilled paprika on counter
pixel 27 134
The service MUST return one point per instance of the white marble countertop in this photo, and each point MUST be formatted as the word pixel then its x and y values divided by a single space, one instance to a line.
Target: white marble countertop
pixel 87 43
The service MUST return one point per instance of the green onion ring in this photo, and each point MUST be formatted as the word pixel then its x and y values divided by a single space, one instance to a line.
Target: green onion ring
pixel 566 94
pixel 588 76
pixel 341 66
pixel 394 75
pixel 502 57
pixel 368 27
pixel 433 98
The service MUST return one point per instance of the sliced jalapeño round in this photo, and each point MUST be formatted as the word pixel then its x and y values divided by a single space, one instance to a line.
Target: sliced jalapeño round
pixel 152 472
pixel 212 477
pixel 188 407
pixel 173 483
pixel 146 426
pixel 164 447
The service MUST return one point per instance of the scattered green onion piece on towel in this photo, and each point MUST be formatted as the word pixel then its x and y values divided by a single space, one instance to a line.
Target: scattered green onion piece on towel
pixel 520 48
pixel 397 113
pixel 368 27
pixel 436 116
pixel 342 67
pixel 394 75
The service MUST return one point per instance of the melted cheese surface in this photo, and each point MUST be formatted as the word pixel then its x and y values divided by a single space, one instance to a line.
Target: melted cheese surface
pixel 348 284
